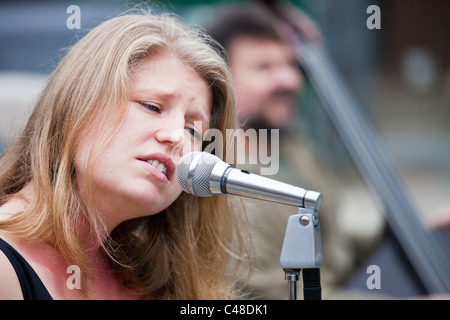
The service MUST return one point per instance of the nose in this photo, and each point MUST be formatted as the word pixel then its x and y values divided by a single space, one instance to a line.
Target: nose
pixel 288 77
pixel 171 132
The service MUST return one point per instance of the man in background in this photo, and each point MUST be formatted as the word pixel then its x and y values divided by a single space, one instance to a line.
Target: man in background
pixel 268 84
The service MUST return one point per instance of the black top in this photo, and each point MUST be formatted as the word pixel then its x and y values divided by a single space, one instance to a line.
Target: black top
pixel 31 284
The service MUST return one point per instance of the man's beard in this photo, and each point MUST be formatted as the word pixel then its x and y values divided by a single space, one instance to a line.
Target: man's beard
pixel 260 121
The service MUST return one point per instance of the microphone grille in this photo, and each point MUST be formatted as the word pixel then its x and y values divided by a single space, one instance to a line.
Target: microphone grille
pixel 193 172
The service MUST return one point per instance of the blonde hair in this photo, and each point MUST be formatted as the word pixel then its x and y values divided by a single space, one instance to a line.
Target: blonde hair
pixel 181 253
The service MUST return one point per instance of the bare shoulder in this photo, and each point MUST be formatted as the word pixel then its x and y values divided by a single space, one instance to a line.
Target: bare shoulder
pixel 9 283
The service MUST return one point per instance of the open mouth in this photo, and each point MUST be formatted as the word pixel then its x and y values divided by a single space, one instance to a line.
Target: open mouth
pixel 158 165
pixel 160 162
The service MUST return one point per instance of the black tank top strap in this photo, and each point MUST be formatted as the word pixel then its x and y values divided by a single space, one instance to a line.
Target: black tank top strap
pixel 31 284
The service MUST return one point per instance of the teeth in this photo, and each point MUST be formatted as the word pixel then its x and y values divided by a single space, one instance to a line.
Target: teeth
pixel 161 167
pixel 158 165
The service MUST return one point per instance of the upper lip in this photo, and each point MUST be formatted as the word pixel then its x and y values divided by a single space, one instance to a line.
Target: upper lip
pixel 161 157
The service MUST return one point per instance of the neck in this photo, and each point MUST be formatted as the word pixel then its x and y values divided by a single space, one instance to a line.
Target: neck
pixel 91 241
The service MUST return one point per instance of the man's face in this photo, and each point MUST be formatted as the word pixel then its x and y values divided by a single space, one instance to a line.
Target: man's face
pixel 267 82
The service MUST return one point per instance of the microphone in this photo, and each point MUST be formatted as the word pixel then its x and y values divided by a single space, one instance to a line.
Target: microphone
pixel 203 174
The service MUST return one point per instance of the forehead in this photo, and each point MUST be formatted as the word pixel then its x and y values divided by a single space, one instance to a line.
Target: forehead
pixel 246 47
pixel 165 78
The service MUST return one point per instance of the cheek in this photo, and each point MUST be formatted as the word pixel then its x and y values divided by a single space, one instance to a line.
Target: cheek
pixel 101 166
pixel 192 144
pixel 174 193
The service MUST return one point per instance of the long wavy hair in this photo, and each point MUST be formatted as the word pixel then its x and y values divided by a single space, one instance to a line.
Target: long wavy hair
pixel 192 250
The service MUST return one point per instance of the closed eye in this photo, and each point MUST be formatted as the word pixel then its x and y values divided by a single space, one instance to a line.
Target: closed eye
pixel 150 107
pixel 194 133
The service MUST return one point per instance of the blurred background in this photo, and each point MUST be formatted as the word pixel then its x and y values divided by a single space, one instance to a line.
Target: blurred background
pixel 400 74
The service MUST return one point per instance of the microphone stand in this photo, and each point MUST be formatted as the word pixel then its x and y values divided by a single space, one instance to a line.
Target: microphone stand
pixel 302 252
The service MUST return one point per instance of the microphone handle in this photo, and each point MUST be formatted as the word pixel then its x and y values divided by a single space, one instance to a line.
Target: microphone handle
pixel 226 179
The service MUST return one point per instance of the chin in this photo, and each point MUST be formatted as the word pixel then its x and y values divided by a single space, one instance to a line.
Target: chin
pixel 154 199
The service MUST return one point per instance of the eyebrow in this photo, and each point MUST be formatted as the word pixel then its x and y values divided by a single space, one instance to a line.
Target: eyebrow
pixel 194 109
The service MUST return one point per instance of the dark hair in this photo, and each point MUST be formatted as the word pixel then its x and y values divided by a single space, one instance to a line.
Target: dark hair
pixel 230 22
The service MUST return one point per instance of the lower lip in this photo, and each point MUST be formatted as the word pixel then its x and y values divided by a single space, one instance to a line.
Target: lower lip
pixel 155 172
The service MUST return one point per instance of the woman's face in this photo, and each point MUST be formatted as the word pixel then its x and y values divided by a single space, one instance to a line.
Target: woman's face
pixel 169 111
